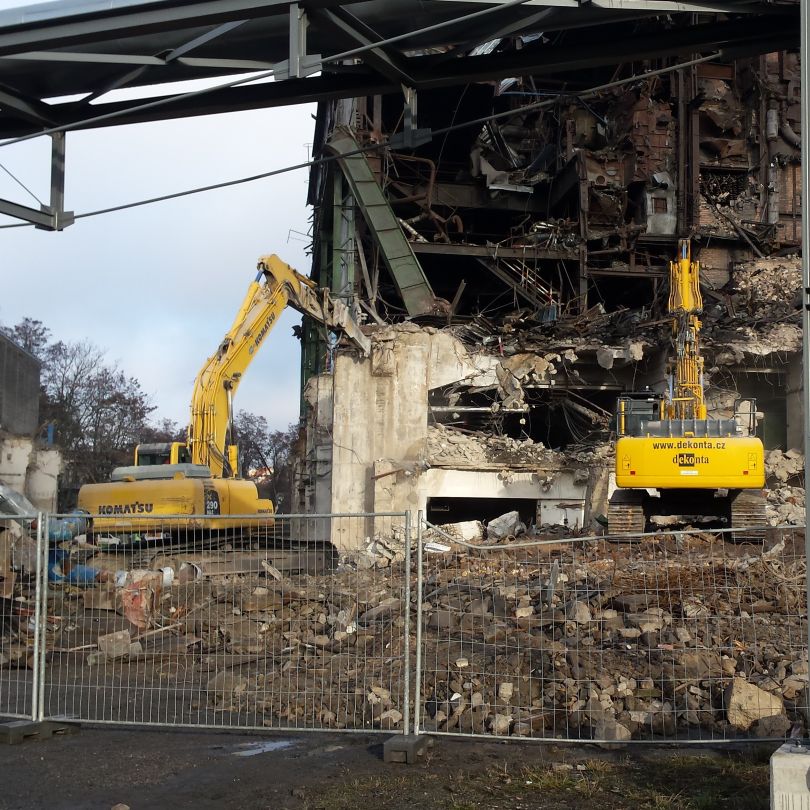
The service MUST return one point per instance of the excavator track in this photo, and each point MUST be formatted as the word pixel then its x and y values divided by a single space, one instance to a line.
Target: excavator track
pixel 626 512
pixel 748 514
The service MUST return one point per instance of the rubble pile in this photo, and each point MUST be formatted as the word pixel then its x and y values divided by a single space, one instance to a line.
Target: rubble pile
pixel 447 446
pixel 669 638
pixel 230 631
pixel 785 479
pixel 767 289
pixel 783 467
pixel 785 506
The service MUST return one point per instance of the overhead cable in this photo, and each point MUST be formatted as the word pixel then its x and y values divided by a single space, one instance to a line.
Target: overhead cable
pixel 20 182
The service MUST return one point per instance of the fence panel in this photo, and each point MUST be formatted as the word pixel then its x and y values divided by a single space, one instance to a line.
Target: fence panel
pixel 19 617
pixel 682 636
pixel 232 623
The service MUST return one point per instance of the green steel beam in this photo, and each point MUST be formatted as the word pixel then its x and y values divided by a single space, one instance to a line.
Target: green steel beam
pixel 396 251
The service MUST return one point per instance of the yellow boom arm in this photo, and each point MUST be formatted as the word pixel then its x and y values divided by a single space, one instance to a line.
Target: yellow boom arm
pixel 686 398
pixel 276 285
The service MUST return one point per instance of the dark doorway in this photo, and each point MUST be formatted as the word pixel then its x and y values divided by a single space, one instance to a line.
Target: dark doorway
pixel 454 510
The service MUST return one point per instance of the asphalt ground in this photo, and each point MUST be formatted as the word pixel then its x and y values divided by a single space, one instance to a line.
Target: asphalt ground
pixel 99 767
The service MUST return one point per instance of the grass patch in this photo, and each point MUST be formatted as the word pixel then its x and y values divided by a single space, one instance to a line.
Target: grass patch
pixel 517 781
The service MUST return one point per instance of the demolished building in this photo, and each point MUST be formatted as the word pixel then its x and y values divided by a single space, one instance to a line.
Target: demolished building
pixel 508 248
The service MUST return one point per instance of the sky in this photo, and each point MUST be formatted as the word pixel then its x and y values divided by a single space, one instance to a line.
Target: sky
pixel 158 286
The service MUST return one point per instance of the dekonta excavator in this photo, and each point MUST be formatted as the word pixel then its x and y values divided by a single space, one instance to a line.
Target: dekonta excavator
pixel 675 463
pixel 201 478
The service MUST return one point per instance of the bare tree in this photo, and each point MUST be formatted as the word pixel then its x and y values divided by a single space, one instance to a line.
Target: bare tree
pixel 98 411
pixel 266 455
pixel 31 334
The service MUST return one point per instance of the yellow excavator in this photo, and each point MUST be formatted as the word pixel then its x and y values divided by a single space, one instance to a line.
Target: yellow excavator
pixel 200 479
pixel 675 463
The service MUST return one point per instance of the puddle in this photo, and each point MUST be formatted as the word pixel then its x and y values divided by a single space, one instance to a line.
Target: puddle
pixel 253 748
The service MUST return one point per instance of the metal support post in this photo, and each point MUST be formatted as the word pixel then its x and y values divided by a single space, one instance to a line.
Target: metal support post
pixel 410 746
pixel 43 533
pixel 38 634
pixel 61 218
pixel 406 700
pixel 805 81
pixel 411 136
pixel 52 217
pixel 300 64
pixel 419 589
pixel 298 39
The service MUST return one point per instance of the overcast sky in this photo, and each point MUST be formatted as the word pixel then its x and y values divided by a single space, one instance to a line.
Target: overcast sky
pixel 158 286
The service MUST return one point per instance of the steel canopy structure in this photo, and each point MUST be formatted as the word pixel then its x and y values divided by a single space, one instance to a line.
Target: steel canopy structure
pixel 59 60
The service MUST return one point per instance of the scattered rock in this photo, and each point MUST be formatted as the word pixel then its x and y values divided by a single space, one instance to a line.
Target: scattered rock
pixel 506 525
pixel 746 704
pixel 578 612
pixel 115 645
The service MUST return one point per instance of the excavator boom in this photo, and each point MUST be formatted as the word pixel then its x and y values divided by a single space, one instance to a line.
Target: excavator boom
pixel 276 286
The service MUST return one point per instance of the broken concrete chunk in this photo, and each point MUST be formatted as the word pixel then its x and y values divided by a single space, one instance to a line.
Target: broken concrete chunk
pixel 468 531
pixel 500 724
pixel 699 664
pixel 443 620
pixel 746 704
pixel 505 525
pixel 578 611
pixel 115 645
pixel 224 687
pixel 385 610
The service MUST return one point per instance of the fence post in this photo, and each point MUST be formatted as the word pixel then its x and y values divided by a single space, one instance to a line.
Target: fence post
pixel 419 589
pixel 406 701
pixel 38 635
pixel 43 533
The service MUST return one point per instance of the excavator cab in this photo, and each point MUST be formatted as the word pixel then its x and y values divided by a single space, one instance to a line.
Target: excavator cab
pixel 148 455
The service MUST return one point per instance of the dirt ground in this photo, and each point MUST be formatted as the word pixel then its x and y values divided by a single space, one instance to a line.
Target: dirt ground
pixel 100 767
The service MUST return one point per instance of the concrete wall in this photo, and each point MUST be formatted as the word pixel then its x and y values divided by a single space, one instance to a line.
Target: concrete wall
pixel 559 500
pixel 19 389
pixel 367 435
pixel 31 470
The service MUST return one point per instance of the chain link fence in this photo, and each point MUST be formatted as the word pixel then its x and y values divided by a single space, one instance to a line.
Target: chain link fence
pixel 242 623
pixel 341 622
pixel 676 636
pixel 20 539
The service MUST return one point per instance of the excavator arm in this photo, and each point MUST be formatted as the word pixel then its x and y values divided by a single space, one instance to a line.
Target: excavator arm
pixel 276 286
pixel 685 398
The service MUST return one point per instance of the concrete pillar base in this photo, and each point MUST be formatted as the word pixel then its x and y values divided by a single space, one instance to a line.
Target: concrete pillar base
pixel 790 777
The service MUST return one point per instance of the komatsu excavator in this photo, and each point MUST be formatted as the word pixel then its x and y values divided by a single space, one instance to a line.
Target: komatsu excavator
pixel 674 463
pixel 200 479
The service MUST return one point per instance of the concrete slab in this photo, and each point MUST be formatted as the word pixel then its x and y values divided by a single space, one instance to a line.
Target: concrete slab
pixel 406 748
pixel 18 731
pixel 790 777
